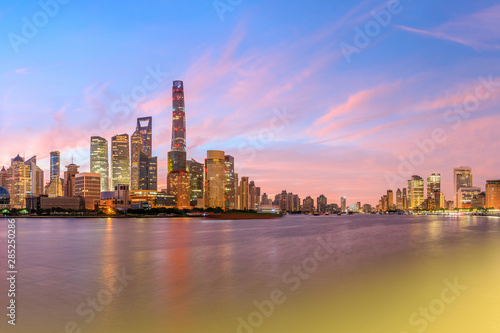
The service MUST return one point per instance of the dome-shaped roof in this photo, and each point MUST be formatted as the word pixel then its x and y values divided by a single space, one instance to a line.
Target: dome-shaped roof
pixel 4 194
pixel 18 159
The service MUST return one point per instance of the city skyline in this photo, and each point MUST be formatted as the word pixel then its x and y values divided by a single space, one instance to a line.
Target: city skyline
pixel 243 92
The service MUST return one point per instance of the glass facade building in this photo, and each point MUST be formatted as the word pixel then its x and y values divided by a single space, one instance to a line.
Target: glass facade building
pixel 120 160
pixel 99 161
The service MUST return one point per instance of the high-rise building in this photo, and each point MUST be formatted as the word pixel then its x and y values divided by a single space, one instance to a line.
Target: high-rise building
pixel 415 192
pixel 136 147
pixel 3 178
pixel 143 171
pixel 69 179
pixel 19 181
pixel 321 203
pixel 390 200
pixel 462 177
pixel 214 179
pixel 493 194
pixel 466 195
pixel 177 164
pixel 55 187
pixel 88 185
pixel 99 161
pixel 343 204
pixel 252 195
pixel 120 160
pixel 36 178
pixel 405 198
pixel 399 200
pixel 55 165
pixel 229 184
pixel 433 184
pixel 308 205
pixel 243 193
pixel 196 172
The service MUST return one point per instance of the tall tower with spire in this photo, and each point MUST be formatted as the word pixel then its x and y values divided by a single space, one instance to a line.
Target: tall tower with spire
pixel 178 180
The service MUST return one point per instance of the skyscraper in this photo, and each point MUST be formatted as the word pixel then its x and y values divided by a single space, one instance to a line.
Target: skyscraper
pixel 178 179
pixel 343 204
pixel 493 194
pixel 214 179
pixel 433 184
pixel 243 193
pixel 321 204
pixel 55 165
pixel 23 178
pixel 69 179
pixel 99 161
pixel 415 192
pixel 120 160
pixel 143 172
pixel 229 184
pixel 55 188
pixel 196 173
pixel 390 200
pixel 462 177
pixel 399 200
pixel 308 204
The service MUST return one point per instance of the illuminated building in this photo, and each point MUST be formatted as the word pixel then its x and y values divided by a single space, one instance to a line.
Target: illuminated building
pixel 99 161
pixel 178 179
pixel 88 185
pixel 462 177
pixel 308 205
pixel 466 195
pixel 253 196
pixel 493 194
pixel 439 200
pixel 415 192
pixel 214 179
pixel 55 187
pixel 405 198
pixel 120 160
pixel 3 177
pixel 69 180
pixel 229 183
pixel 143 167
pixel 433 184
pixel 140 199
pixel 4 198
pixel 237 191
pixel 23 179
pixel 343 204
pixel 196 173
pixel 321 203
pixel 55 165
pixel 243 193
pixel 399 200
pixel 390 200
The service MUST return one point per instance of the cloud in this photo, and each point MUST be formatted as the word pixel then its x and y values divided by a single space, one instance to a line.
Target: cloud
pixel 478 31
pixel 22 71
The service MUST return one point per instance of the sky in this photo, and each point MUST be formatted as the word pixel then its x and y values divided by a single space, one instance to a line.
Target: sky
pixel 341 98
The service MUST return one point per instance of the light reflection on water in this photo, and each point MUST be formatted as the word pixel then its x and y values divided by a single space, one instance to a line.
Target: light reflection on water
pixel 193 276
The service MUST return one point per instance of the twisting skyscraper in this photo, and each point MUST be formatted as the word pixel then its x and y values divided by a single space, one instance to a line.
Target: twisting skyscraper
pixel 178 181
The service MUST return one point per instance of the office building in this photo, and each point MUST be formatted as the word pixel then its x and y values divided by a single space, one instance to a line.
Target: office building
pixel 214 179
pixel 493 194
pixel 69 180
pixel 462 177
pixel 229 184
pixel 243 193
pixel 308 205
pixel 321 203
pixel 88 186
pixel 196 173
pixel 343 204
pixel 99 161
pixel 433 184
pixel 415 192
pixel 390 200
pixel 120 160
pixel 466 196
